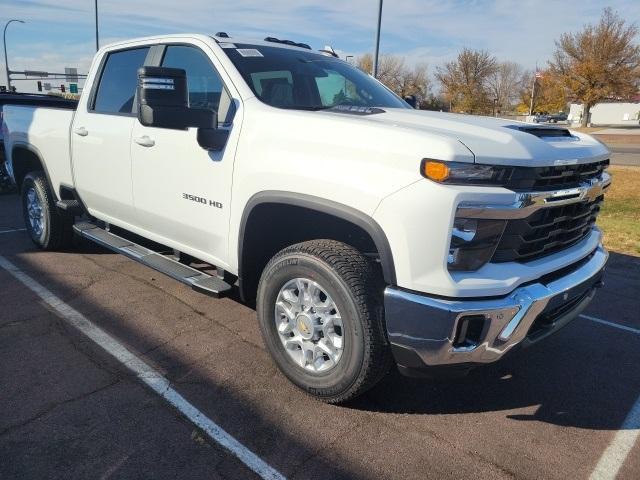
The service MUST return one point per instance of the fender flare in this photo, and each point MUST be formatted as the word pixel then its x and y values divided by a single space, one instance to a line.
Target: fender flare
pixel 339 210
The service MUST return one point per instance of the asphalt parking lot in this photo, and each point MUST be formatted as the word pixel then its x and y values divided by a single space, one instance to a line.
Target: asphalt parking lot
pixel 562 409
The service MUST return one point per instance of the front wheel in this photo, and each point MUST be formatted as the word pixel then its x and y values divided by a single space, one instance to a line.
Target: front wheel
pixel 48 228
pixel 320 310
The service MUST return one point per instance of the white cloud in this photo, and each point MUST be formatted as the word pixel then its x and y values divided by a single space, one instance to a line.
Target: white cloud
pixel 428 31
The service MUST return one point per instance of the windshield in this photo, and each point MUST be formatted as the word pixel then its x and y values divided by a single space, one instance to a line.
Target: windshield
pixel 294 79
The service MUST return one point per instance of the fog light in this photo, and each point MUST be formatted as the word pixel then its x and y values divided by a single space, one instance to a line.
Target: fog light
pixel 469 331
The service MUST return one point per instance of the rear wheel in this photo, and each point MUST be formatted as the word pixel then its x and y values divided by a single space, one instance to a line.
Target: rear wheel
pixel 320 311
pixel 48 228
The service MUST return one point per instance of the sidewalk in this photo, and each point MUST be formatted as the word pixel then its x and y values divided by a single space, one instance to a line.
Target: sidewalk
pixel 620 131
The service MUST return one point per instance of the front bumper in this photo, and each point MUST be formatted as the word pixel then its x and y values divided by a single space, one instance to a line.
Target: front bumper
pixel 428 332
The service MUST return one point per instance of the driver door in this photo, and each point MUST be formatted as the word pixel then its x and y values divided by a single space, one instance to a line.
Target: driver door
pixel 181 191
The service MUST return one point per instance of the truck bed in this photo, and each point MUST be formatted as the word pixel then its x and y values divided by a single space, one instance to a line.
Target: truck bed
pixel 26 99
pixel 44 129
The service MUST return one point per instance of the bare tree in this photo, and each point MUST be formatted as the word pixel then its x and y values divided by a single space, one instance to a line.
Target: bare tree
pixel 397 76
pixel 599 62
pixel 465 81
pixel 505 84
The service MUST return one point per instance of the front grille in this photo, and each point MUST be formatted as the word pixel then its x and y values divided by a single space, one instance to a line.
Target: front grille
pixel 546 231
pixel 554 178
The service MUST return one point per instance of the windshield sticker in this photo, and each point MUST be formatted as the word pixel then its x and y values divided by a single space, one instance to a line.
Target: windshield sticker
pixel 249 52
pixel 227 45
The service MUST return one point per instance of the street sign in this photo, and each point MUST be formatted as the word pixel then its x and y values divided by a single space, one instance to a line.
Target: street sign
pixel 71 74
pixel 47 87
pixel 73 88
pixel 35 73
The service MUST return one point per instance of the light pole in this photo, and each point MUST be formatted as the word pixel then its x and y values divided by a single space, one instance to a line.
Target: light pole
pixel 96 10
pixel 375 55
pixel 6 60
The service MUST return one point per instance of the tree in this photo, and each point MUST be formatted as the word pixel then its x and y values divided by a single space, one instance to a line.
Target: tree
pixel 397 76
pixel 550 93
pixel 600 62
pixel 437 103
pixel 505 84
pixel 465 81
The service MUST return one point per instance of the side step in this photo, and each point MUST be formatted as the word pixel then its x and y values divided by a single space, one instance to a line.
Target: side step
pixel 199 281
pixel 73 207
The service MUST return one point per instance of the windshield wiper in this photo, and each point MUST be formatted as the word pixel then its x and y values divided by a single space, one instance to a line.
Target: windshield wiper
pixel 353 109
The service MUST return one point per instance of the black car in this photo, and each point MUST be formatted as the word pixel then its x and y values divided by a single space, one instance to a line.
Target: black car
pixel 557 117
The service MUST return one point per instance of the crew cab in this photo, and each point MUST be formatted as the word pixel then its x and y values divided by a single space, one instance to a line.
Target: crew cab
pixel 366 232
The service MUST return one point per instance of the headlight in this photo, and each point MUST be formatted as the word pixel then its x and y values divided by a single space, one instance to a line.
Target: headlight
pixel 473 242
pixel 457 173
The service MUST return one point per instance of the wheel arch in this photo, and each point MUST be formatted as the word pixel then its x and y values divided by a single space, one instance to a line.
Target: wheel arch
pixel 343 217
pixel 26 158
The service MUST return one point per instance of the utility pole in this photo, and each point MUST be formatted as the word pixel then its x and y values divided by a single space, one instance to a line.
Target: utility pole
pixel 6 59
pixel 533 90
pixel 97 41
pixel 377 51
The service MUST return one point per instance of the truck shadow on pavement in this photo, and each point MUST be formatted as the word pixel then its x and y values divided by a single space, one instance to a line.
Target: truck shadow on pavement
pixel 585 376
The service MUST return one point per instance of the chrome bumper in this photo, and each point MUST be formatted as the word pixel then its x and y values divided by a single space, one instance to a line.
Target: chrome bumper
pixel 434 332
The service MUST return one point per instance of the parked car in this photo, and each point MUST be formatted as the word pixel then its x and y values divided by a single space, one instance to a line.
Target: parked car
pixel 558 117
pixel 541 118
pixel 365 231
pixel 15 98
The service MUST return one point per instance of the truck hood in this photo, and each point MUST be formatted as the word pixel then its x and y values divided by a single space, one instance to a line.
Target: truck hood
pixel 498 141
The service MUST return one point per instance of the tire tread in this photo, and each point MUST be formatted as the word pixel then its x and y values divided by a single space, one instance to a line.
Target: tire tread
pixel 365 283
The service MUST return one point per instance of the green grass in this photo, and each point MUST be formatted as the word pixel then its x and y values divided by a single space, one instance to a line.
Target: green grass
pixel 620 215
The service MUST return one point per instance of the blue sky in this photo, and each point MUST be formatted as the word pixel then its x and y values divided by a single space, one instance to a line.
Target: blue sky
pixel 60 33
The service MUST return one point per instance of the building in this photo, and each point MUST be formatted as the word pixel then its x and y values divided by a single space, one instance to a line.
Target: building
pixel 614 114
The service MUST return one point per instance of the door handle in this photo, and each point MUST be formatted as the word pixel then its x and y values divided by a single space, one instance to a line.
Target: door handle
pixel 83 132
pixel 145 141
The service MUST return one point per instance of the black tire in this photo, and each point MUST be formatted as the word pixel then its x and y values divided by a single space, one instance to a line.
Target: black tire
pixel 356 287
pixel 57 227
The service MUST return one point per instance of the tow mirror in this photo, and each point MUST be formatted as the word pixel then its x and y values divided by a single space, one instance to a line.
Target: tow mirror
pixel 163 101
pixel 411 100
pixel 212 138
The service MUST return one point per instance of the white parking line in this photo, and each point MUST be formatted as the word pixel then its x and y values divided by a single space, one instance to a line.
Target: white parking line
pixel 146 374
pixel 616 453
pixel 612 324
pixel 623 442
pixel 13 230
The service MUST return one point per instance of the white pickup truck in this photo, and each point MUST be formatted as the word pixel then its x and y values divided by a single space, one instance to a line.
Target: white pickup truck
pixel 365 231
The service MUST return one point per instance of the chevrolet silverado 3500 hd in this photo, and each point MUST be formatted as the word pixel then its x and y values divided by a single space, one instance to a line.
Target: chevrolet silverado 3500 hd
pixel 367 232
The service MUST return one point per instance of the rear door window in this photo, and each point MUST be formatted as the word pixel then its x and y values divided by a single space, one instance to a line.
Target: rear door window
pixel 117 86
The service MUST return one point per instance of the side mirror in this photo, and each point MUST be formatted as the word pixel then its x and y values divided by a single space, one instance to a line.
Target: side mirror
pixel 212 138
pixel 411 100
pixel 163 101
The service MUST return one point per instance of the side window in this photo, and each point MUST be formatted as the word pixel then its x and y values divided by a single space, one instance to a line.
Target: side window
pixel 117 86
pixel 203 82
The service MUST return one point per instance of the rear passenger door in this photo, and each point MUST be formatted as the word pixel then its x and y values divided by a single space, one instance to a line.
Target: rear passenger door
pixel 182 192
pixel 101 138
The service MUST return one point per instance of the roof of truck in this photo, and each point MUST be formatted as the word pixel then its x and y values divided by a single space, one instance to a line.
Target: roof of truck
pixel 219 39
